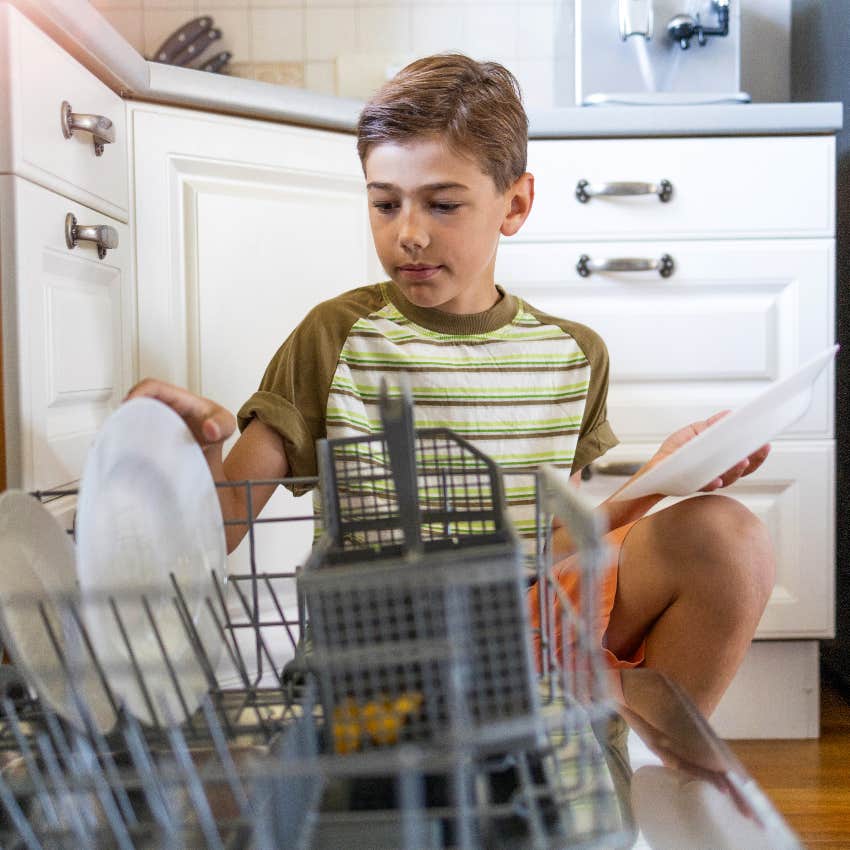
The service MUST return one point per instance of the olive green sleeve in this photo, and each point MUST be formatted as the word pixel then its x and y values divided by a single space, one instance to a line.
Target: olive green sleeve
pixel 293 394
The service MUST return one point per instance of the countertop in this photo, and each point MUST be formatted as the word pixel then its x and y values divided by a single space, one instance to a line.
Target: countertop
pixel 91 39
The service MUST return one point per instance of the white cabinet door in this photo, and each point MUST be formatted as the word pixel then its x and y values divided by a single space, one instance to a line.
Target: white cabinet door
pixel 242 226
pixel 733 317
pixel 67 334
pixel 794 495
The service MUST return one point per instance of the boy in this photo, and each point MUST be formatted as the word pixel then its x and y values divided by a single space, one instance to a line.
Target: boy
pixel 443 148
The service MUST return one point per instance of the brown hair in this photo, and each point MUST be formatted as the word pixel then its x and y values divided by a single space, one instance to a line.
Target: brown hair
pixel 476 107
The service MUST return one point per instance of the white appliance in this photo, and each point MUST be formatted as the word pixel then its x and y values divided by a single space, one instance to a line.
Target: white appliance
pixel 654 52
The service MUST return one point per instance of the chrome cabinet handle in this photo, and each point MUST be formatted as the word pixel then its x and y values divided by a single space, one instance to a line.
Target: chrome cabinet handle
pixel 585 190
pixel 102 235
pixel 101 128
pixel 664 265
pixel 622 469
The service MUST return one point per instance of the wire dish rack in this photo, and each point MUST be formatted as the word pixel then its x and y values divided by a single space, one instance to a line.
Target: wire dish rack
pixel 402 705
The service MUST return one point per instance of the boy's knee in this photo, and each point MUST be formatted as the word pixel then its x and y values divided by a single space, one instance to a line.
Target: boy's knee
pixel 735 541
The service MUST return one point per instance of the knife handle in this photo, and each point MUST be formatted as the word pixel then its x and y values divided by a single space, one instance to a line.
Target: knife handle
pixel 197 47
pixel 175 43
pixel 215 63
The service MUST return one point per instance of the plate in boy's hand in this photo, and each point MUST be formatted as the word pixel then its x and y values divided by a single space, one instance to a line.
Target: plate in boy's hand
pixel 729 440
pixel 149 522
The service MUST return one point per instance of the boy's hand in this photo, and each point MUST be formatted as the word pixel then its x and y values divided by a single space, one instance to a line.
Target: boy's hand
pixel 678 438
pixel 210 423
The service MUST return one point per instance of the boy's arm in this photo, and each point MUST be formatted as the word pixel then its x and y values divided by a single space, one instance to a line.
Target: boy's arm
pixel 621 512
pixel 257 454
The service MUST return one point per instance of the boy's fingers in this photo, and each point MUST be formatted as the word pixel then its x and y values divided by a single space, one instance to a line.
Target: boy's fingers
pixel 208 421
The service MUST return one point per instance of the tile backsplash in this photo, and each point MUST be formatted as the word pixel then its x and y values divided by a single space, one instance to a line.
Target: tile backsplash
pixel 347 46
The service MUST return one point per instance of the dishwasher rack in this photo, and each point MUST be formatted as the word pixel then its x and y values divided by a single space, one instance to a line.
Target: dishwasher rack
pixel 263 761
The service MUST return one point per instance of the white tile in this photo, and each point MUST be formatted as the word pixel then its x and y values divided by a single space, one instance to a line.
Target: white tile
pixel 384 28
pixel 160 24
pixel 320 77
pixel 236 34
pixel 130 23
pixel 391 3
pixel 491 30
pixel 103 5
pixel 172 5
pixel 212 5
pixel 537 80
pixel 438 28
pixel 330 32
pixel 275 4
pixel 277 35
pixel 536 36
pixel 324 4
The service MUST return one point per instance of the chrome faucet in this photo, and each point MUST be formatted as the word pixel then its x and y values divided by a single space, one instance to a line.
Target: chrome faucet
pixel 682 28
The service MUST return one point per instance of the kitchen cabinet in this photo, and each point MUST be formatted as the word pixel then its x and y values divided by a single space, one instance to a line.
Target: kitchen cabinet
pixel 729 286
pixel 242 226
pixel 68 310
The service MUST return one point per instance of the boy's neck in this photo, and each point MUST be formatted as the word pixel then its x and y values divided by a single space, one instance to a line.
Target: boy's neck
pixel 501 312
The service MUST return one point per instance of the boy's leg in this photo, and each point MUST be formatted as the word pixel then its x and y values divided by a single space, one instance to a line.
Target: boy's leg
pixel 693 582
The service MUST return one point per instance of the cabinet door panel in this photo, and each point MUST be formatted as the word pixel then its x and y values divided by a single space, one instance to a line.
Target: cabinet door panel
pixel 723 188
pixel 793 494
pixel 39 76
pixel 68 318
pixel 242 227
pixel 732 318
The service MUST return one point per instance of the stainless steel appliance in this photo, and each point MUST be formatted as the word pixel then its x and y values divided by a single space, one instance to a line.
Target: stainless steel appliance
pixel 658 52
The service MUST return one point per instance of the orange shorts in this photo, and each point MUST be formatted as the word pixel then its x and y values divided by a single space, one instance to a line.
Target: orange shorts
pixel 567 575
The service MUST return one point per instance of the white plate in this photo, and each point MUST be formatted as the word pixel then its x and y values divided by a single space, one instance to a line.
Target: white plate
pixel 148 508
pixel 38 574
pixel 732 438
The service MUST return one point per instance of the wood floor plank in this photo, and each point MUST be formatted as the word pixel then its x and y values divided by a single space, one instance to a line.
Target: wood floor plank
pixel 809 781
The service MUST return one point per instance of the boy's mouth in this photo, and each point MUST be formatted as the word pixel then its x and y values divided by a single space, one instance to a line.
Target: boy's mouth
pixel 418 271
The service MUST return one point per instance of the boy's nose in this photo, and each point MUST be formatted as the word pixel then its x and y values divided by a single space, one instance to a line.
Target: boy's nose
pixel 412 235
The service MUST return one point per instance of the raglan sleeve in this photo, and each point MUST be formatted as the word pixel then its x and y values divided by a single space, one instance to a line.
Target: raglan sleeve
pixel 292 396
pixel 596 435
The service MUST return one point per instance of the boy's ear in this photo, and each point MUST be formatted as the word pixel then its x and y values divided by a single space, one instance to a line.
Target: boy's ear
pixel 521 198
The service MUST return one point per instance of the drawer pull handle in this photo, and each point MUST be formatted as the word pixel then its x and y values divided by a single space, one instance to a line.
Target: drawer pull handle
pixel 101 128
pixel 102 235
pixel 585 191
pixel 622 468
pixel 664 265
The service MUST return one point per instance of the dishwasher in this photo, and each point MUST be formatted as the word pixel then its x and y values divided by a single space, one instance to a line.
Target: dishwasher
pixel 411 708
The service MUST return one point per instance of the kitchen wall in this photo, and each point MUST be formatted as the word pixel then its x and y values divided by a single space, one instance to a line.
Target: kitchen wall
pixel 345 46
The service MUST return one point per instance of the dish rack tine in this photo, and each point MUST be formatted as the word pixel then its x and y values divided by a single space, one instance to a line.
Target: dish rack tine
pixel 195 786
pixel 134 663
pixel 192 633
pixel 18 818
pixel 169 666
pixel 400 437
pixel 281 613
pixel 61 789
pixel 153 789
pixel 231 644
pixel 230 772
pixel 260 639
pixel 33 769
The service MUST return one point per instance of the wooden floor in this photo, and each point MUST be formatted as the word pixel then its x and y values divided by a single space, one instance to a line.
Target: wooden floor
pixel 809 781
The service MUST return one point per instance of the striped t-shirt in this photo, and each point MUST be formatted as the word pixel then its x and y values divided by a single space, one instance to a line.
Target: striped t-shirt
pixel 524 387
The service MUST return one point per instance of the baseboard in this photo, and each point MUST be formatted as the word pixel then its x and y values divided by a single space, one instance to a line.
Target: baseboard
pixel 776 693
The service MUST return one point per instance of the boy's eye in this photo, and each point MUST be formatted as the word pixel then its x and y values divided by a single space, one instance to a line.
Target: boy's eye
pixel 384 206
pixel 445 207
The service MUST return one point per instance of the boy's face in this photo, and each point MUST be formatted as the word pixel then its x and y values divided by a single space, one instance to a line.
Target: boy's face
pixel 436 220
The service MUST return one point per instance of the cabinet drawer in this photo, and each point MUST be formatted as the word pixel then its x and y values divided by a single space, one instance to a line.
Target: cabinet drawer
pixel 67 334
pixel 36 76
pixel 733 317
pixel 793 494
pixel 722 187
